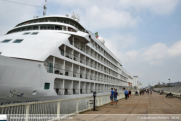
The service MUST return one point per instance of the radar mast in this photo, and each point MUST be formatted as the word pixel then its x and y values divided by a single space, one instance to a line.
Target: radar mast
pixel 75 17
pixel 45 8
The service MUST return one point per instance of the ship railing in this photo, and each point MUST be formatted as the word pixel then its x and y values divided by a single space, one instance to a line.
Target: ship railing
pixel 91 54
pixel 68 91
pixel 75 91
pixel 66 72
pixel 80 47
pixel 82 60
pixel 59 91
pixel 99 50
pixel 83 91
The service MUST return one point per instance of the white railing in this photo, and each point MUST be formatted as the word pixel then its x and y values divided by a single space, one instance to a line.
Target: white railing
pixel 58 107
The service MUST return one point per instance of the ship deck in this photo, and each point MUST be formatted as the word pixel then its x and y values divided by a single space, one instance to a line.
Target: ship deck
pixel 145 104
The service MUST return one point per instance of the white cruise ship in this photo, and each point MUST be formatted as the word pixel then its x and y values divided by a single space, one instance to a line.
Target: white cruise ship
pixel 54 57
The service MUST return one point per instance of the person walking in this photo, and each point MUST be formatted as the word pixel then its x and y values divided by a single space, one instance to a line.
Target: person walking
pixel 115 96
pixel 129 93
pixel 138 92
pixel 148 91
pixel 111 96
pixel 126 94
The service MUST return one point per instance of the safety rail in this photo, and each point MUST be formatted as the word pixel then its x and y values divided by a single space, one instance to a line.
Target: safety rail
pixel 80 47
pixel 113 61
pixel 70 73
pixel 93 65
pixel 76 58
pixel 62 106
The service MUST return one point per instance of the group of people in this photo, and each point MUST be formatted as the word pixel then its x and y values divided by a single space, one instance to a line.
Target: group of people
pixel 144 91
pixel 127 94
pixel 113 96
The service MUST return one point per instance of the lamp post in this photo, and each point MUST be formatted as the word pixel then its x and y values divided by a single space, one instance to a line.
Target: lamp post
pixel 169 85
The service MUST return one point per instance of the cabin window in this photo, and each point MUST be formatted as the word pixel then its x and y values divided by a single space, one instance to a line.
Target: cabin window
pixel 50 27
pixel 40 20
pixel 29 28
pixel 42 27
pixel 47 86
pixel 50 68
pixel 62 52
pixel 6 41
pixel 18 41
pixel 34 33
pixel 23 29
pixel 18 30
pixel 58 27
pixel 35 27
pixel 46 20
pixel 26 33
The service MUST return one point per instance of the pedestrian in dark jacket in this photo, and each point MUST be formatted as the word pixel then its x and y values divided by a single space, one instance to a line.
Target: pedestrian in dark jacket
pixel 126 94
pixel 129 93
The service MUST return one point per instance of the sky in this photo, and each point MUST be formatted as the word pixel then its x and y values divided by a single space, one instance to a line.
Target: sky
pixel 145 35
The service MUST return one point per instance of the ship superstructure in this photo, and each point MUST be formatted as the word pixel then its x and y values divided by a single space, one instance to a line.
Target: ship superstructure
pixel 57 56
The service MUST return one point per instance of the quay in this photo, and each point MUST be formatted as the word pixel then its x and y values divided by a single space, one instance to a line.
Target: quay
pixel 142 104
pixel 153 105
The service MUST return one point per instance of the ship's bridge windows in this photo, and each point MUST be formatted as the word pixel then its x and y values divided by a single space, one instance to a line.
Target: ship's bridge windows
pixel 18 41
pixel 29 28
pixel 50 27
pixel 6 41
pixel 47 86
pixel 58 27
pixel 26 33
pixel 24 29
pixel 35 27
pixel 42 27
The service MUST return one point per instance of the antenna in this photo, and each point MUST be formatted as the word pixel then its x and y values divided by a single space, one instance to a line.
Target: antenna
pixel 75 17
pixel 45 8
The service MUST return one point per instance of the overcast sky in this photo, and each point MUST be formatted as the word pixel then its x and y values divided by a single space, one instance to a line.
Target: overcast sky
pixel 144 34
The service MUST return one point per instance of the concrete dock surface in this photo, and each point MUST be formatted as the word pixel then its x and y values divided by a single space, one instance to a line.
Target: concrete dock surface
pixel 143 107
